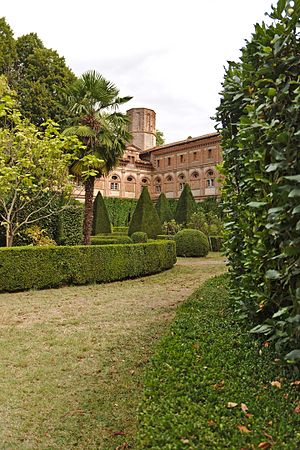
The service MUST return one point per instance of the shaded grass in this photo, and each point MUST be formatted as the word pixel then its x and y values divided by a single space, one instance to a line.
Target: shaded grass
pixel 204 362
pixel 72 359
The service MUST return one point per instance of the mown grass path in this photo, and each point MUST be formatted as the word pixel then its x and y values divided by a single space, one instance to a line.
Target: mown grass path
pixel 72 359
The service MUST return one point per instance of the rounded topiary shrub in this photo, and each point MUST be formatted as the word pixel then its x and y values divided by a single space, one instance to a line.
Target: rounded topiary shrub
pixel 138 237
pixel 191 243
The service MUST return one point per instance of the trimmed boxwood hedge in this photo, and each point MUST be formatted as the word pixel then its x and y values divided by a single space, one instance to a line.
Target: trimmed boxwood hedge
pixel 110 239
pixel 44 267
pixel 190 242
pixel 138 237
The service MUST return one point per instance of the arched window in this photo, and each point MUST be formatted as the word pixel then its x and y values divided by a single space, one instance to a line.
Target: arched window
pixel 130 179
pixel 157 183
pixel 210 179
pixel 169 179
pixel 181 176
pixel 145 182
pixel 195 175
pixel 114 183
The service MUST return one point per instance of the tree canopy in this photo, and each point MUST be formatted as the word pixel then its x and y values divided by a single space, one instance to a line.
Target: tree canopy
pixel 39 75
pixel 33 166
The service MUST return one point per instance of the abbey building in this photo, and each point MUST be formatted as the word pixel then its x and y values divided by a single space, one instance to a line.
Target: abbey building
pixel 164 168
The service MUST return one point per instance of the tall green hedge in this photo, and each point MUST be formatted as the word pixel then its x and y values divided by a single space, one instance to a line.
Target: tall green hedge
pixel 69 227
pixel 101 222
pixel 44 267
pixel 145 217
pixel 163 209
pixel 260 116
pixel 120 210
pixel 186 206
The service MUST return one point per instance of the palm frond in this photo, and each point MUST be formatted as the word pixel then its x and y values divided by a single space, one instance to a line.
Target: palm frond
pixel 81 131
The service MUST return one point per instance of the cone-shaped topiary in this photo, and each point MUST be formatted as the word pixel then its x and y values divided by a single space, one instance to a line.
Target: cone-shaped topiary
pixel 186 206
pixel 191 242
pixel 145 217
pixel 163 209
pixel 101 222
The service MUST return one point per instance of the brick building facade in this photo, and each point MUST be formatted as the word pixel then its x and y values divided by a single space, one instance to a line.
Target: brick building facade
pixel 164 168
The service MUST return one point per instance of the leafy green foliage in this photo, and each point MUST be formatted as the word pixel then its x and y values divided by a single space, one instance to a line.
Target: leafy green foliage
pixel 171 227
pixel 186 206
pixel 163 209
pixel 260 115
pixel 145 217
pixel 203 366
pixel 43 267
pixel 191 243
pixel 139 236
pixel 38 75
pixel 101 222
pixel 120 210
pixel 69 225
pixel 160 140
pixel 110 239
pixel 39 236
pixel 33 166
pixel 215 243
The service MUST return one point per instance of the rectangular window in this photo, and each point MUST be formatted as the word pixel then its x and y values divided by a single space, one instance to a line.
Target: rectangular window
pixel 158 189
pixel 157 162
pixel 210 182
pixel 181 186
pixel 169 161
pixel 195 156
pixel 181 159
pixel 209 153
pixel 114 186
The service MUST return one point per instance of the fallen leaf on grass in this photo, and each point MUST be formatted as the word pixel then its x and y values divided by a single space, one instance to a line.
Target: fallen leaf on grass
pixel 243 429
pixel 219 385
pixel 295 383
pixel 118 433
pixel 268 436
pixel 185 441
pixel 264 445
pixel 231 405
pixel 297 409
pixel 276 384
pixel 249 415
pixel 244 407
pixel 211 423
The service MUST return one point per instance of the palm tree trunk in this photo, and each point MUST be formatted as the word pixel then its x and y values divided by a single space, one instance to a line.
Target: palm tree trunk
pixel 88 210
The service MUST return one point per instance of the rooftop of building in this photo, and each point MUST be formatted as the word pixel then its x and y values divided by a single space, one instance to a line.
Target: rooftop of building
pixel 184 142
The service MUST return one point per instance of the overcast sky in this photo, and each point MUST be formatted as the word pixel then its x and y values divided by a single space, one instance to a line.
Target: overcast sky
pixel 168 54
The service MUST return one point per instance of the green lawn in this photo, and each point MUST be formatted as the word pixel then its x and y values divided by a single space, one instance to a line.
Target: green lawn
pixel 212 386
pixel 72 359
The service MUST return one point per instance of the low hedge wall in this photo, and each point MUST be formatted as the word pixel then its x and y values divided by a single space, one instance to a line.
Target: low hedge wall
pixel 110 239
pixel 24 268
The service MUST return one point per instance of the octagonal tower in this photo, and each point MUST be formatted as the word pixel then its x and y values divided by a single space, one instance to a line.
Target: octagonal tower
pixel 142 126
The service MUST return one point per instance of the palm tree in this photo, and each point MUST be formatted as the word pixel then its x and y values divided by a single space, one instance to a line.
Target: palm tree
pixel 94 104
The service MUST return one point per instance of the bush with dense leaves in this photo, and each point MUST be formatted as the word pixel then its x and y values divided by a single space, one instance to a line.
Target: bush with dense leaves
pixel 69 228
pixel 145 217
pixel 186 206
pixel 163 209
pixel 120 210
pixel 138 237
pixel 260 115
pixel 110 239
pixel 191 243
pixel 44 267
pixel 101 222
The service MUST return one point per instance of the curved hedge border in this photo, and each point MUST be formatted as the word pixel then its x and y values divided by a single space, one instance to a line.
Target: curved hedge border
pixel 24 268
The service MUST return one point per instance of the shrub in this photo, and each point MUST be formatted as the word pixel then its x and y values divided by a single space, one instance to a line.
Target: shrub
pixel 215 243
pixel 69 228
pixel 259 114
pixel 165 237
pixel 120 210
pixel 110 239
pixel 120 230
pixel 145 217
pixel 43 267
pixel 186 206
pixel 191 243
pixel 39 236
pixel 101 222
pixel 171 227
pixel 139 236
pixel 163 209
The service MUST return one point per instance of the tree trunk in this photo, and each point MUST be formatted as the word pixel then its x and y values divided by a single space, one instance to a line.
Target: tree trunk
pixel 9 235
pixel 88 210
